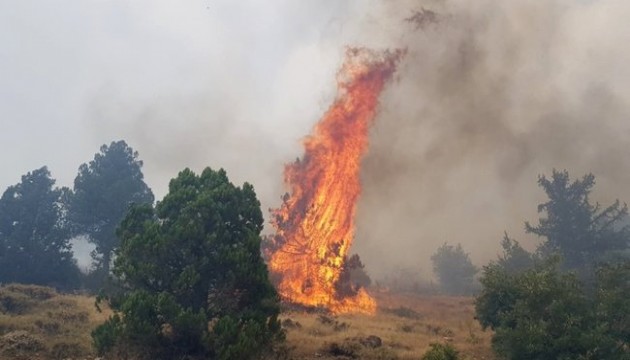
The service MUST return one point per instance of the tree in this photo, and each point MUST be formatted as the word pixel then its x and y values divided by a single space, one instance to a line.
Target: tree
pixel 544 313
pixel 538 309
pixel 104 189
pixel 192 276
pixel 514 259
pixel 454 269
pixel 34 238
pixel 582 233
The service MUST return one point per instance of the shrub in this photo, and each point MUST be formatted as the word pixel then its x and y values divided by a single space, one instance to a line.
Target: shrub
pixel 543 313
pixel 441 352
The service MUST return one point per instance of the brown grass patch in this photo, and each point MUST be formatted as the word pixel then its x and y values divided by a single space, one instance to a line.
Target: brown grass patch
pixel 406 324
pixel 38 323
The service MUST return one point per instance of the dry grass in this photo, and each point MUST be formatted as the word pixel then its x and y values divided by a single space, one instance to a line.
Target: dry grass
pixel 406 324
pixel 39 323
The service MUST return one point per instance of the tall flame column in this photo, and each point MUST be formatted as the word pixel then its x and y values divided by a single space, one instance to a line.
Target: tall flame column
pixel 315 224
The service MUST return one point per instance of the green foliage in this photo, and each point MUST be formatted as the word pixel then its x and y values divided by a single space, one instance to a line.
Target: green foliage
pixel 192 276
pixel 565 301
pixel 613 301
pixel 454 269
pixel 543 313
pixel 104 337
pixel 514 258
pixel 583 233
pixel 104 189
pixel 441 352
pixel 34 245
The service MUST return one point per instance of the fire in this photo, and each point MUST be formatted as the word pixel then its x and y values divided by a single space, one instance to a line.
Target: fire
pixel 315 224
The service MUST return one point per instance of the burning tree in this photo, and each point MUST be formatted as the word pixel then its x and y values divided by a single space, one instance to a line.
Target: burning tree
pixel 315 223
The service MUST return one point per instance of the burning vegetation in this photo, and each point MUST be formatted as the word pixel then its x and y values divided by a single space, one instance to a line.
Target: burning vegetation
pixel 315 223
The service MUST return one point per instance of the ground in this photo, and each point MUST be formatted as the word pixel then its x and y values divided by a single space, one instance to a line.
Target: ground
pixel 39 323
pixel 405 324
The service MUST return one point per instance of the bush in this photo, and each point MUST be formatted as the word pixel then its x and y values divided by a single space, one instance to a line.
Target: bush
pixel 441 352
pixel 543 313
pixel 454 269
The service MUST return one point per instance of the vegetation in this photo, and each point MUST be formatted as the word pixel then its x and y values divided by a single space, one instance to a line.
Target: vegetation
pixel 191 261
pixel 104 189
pixel 584 234
pixel 34 236
pixel 544 313
pixel 447 320
pixel 190 281
pixel 53 326
pixel 454 269
pixel 565 302
pixel 514 259
pixel 39 323
pixel 441 352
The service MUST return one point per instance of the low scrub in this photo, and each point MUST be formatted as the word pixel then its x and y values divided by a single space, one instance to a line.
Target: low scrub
pixel 37 322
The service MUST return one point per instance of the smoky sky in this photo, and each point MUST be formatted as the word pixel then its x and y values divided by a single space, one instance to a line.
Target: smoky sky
pixel 490 95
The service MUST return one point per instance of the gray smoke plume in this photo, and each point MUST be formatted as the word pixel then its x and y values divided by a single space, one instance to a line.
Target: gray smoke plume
pixel 492 94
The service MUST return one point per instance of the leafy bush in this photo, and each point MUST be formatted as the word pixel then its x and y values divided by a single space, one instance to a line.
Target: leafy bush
pixel 543 313
pixel 441 352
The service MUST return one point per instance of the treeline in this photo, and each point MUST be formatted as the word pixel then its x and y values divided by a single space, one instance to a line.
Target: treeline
pixel 38 220
pixel 570 298
pixel 184 277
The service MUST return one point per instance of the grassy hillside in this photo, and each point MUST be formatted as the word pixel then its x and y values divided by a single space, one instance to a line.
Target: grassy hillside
pixel 39 323
pixel 405 325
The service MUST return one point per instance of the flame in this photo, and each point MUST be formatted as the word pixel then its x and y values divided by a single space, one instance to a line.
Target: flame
pixel 315 224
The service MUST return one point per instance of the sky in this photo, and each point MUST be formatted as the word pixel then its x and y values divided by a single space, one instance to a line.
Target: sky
pixel 491 95
pixel 209 75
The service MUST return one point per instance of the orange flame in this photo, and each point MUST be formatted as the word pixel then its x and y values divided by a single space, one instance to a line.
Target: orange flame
pixel 315 224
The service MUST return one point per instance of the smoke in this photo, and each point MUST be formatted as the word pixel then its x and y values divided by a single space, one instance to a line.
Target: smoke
pixel 491 95
pixel 237 87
